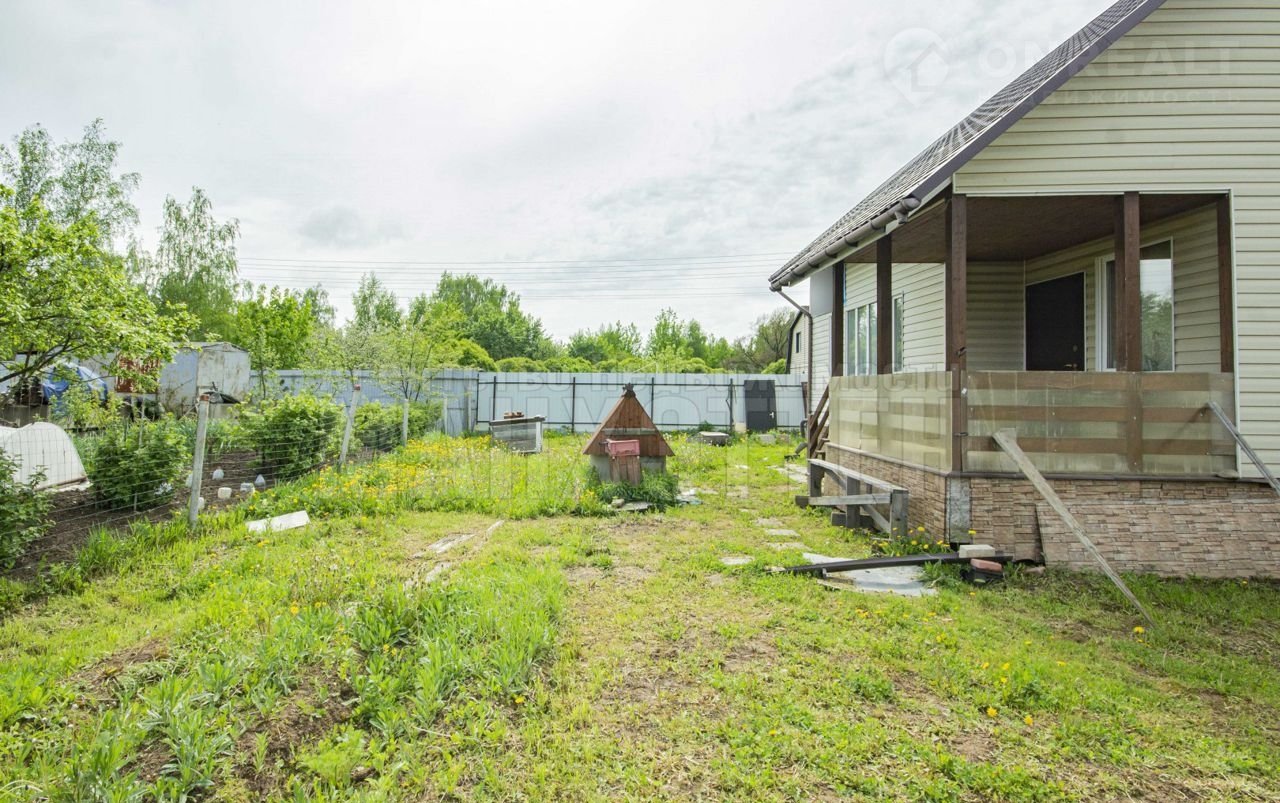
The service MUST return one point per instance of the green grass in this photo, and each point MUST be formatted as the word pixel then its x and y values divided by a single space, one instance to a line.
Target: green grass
pixel 605 657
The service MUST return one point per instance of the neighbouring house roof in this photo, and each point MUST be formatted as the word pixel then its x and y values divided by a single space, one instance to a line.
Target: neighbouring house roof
pixel 935 166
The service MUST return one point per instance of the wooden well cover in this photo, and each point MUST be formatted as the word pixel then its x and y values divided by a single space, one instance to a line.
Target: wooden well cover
pixel 629 421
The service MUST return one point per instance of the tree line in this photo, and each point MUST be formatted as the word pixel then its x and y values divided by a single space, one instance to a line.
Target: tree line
pixel 76 281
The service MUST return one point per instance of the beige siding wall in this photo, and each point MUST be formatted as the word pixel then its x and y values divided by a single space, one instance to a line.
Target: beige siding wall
pixel 923 324
pixel 799 358
pixel 821 356
pixel 1188 100
pixel 996 316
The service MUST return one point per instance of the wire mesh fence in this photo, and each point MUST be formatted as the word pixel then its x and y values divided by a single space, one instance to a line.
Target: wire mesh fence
pixel 58 489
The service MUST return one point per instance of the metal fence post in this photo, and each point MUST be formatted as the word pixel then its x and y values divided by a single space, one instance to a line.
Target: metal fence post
pixel 404 423
pixel 346 432
pixel 197 462
pixel 573 404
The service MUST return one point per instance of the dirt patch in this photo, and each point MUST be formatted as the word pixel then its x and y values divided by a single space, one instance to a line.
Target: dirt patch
pixel 976 747
pixel 583 575
pixel 630 575
pixel 98 679
pixel 266 751
pixel 753 653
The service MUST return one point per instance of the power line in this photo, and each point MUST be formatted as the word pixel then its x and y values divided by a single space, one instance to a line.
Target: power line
pixel 611 260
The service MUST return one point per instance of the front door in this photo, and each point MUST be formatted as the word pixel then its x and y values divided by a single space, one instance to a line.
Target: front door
pixel 762 405
pixel 1055 324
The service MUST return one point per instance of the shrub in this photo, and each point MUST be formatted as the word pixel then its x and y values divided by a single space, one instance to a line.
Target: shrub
pixel 378 425
pixel 294 434
pixel 24 513
pixel 138 465
pixel 657 488
pixel 472 355
pixel 520 365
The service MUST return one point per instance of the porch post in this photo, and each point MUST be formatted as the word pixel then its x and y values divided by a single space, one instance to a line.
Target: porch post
pixel 1226 287
pixel 957 293
pixel 884 305
pixel 1128 283
pixel 837 319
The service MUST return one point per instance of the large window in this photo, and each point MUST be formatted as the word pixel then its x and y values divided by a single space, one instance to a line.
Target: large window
pixel 1156 272
pixel 860 338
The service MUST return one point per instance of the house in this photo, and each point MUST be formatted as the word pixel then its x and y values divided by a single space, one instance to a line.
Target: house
pixel 1089 259
pixel 799 352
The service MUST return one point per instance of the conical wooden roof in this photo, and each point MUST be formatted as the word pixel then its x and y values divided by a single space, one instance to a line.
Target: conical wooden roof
pixel 628 421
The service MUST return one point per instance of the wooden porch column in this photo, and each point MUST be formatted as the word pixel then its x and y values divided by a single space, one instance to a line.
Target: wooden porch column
pixel 837 319
pixel 1226 287
pixel 884 305
pixel 957 315
pixel 1128 283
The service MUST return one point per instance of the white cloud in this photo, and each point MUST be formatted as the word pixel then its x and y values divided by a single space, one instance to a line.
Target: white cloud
pixel 569 130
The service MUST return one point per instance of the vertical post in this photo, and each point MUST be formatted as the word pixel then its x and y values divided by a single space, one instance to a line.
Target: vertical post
pixel 1226 287
pixel 351 422
pixel 898 500
pixel 493 400
pixel 884 305
pixel 957 323
pixel 837 319
pixel 1128 283
pixel 197 462
pixel 404 422
pixel 573 405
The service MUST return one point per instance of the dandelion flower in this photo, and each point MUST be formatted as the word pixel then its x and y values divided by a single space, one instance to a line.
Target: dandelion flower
pixel 773 732
pixel 518 699
pixel 1005 666
pixel 986 664
pixel 1027 719
pixel 1139 630
pixel 920 529
pixel 992 712
pixel 293 609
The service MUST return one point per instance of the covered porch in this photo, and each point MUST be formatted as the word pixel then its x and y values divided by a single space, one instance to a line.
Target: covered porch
pixel 1097 327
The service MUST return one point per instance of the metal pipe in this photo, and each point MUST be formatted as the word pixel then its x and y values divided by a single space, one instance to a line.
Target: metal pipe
pixel 803 311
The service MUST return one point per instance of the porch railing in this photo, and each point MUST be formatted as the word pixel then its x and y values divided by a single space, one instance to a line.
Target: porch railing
pixel 1155 424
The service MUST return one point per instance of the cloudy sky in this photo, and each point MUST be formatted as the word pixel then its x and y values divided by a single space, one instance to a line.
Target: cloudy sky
pixel 604 159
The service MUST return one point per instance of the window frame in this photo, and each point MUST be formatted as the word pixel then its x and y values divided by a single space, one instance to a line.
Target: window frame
pixel 1105 313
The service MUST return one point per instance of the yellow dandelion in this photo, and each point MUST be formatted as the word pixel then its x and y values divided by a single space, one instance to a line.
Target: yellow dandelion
pixel 920 529
pixel 973 532
pixel 992 712
pixel 986 664
pixel 1062 663
pixel 1027 719
pixel 518 699
pixel 773 732
pixel 1139 630
pixel 293 609
pixel 1005 666
pixel 1003 680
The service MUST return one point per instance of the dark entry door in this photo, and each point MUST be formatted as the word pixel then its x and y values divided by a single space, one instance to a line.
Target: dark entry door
pixel 762 405
pixel 1055 324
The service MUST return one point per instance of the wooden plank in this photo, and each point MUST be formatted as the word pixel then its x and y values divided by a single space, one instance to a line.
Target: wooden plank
pixel 957 323
pixel 1226 287
pixel 1128 283
pixel 1008 441
pixel 844 501
pixel 884 305
pixel 879 519
pixel 1192 447
pixel 1244 446
pixel 1047 380
pixel 854 475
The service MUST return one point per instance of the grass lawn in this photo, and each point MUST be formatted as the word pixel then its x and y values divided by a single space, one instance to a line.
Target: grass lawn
pixel 402 648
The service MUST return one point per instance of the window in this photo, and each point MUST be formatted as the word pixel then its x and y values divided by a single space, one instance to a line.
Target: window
pixel 860 338
pixel 798 342
pixel 1156 286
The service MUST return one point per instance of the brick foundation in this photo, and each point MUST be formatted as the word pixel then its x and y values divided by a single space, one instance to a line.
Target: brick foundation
pixel 1203 528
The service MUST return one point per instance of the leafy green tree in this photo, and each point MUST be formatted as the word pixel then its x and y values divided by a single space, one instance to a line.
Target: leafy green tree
pixel 491 316
pixel 275 326
pixel 74 181
pixel 194 267
pixel 566 364
pixel 376 307
pixel 770 341
pixel 409 355
pixel 62 294
pixel 520 364
pixel 674 339
pixel 615 341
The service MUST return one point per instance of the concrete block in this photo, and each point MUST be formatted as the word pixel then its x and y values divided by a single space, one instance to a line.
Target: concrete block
pixel 977 551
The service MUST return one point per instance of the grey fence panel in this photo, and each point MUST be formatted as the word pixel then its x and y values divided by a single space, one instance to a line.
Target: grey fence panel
pixel 573 401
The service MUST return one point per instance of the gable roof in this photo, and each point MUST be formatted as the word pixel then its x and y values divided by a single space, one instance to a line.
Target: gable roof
pixel 934 167
pixel 629 421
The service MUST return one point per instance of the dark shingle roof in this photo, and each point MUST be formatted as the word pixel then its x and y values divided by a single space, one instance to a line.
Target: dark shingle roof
pixel 952 150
